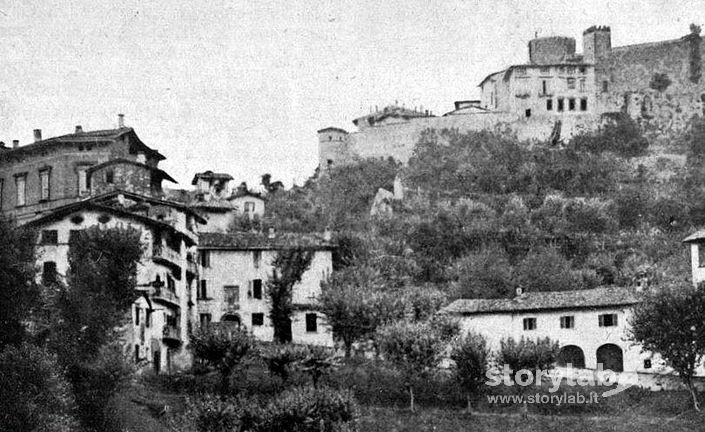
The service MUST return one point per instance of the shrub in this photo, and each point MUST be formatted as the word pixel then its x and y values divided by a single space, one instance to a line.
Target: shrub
pixel 470 355
pixel 222 348
pixel 281 358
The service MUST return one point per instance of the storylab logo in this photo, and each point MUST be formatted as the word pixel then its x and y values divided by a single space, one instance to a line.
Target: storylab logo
pixel 568 375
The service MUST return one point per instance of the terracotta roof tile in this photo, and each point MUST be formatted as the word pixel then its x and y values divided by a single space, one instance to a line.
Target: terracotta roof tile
pixel 534 301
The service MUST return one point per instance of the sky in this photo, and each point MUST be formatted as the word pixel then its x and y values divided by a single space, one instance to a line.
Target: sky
pixel 242 86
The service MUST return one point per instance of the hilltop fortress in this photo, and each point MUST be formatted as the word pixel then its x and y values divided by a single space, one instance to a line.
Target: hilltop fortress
pixel 556 93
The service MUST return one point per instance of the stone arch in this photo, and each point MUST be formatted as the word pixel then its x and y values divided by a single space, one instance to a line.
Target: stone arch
pixel 572 354
pixel 611 357
pixel 231 318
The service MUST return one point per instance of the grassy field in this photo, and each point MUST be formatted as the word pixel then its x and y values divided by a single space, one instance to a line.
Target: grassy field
pixel 438 420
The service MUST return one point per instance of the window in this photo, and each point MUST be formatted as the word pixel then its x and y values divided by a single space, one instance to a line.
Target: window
pixel 170 283
pixel 607 320
pixel 256 258
pixel 527 113
pixel 249 207
pixel 257 319
pixel 605 86
pixel 583 104
pixel 205 258
pixel 571 83
pixel 137 353
pixel 560 104
pixel 148 318
pixel 137 315
pixel 549 104
pixel 232 295
pixel 582 85
pixel 311 323
pixel 521 71
pixel 571 104
pixel 2 191
pixel 647 363
pixel 529 323
pixel 567 322
pixel 544 87
pixel 701 254
pixel 582 69
pixel 109 176
pixel 50 237
pixel 44 183
pixel 203 290
pixel 257 289
pixel 82 179
pixel 205 319
pixel 21 186
pixel 48 273
pixel 545 70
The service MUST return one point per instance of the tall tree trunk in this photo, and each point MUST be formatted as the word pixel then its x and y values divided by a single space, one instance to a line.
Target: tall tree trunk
pixel 694 395
pixel 348 349
pixel 469 401
pixel 411 398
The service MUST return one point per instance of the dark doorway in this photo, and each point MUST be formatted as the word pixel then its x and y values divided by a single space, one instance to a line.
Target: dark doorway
pixel 571 354
pixel 611 357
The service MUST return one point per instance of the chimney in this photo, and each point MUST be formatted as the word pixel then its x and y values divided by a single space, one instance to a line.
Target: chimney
pixel 519 291
pixel 79 129
pixel 15 144
pixel 37 135
pixel 121 121
pixel 270 233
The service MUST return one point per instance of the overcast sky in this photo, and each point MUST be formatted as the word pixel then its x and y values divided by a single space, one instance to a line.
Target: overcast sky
pixel 242 86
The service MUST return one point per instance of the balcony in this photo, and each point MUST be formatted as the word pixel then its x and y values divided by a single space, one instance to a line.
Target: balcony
pixel 171 335
pixel 191 266
pixel 167 256
pixel 166 296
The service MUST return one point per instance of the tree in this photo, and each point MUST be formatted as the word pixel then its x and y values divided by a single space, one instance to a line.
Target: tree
pixel 347 300
pixel 280 358
pixel 289 267
pixel 470 355
pixel 546 269
pixel 221 348
pixel 484 274
pixel 88 317
pixel 34 394
pixel 669 322
pixel 527 354
pixel 413 348
pixel 19 292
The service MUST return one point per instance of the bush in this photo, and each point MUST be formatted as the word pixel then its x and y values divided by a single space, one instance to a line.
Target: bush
pixel 300 409
pixel 34 395
pixel 470 355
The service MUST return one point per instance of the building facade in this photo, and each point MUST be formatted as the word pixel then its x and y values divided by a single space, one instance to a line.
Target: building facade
pixel 234 272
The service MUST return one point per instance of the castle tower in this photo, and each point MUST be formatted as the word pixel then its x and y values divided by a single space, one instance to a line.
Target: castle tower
pixel 332 147
pixel 597 44
pixel 551 49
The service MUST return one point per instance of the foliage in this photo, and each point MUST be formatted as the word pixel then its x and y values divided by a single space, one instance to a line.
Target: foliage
pixel 222 348
pixel 289 267
pixel 318 362
pixel 484 274
pixel 414 348
pixel 34 394
pixel 301 409
pixel 621 135
pixel 19 291
pixel 423 301
pixel 245 223
pixel 528 354
pixel 471 355
pixel 348 301
pixel 95 381
pixel 280 358
pixel 545 269
pixel 669 322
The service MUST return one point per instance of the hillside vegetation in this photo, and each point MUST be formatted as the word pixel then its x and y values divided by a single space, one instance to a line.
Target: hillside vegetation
pixel 484 214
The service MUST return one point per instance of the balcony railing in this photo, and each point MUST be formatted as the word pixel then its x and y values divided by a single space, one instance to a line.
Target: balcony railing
pixel 167 256
pixel 164 295
pixel 171 335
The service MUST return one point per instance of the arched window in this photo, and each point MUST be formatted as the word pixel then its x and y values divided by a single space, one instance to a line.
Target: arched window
pixel 611 357
pixel 572 354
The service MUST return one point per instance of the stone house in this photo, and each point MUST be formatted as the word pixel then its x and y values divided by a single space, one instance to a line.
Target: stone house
pixel 161 316
pixel 234 271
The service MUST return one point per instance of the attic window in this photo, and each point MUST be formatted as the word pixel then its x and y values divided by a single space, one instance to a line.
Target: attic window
pixel 109 176
pixel 103 218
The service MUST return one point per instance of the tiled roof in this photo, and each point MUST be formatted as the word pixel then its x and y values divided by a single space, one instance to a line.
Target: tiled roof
pixel 211 176
pixel 88 137
pixel 332 129
pixel 392 111
pixel 257 241
pixel 546 300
